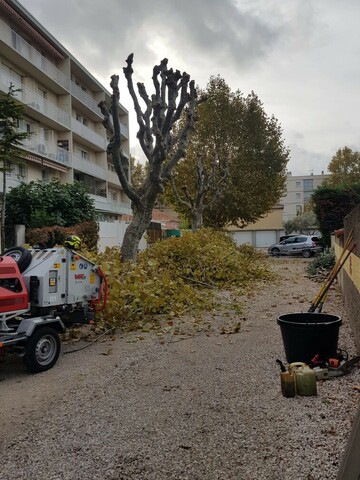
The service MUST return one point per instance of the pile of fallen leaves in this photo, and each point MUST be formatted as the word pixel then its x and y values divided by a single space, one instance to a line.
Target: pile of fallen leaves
pixel 176 276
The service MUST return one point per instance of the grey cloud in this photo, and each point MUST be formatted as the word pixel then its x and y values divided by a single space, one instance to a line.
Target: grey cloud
pixel 194 28
pixel 300 56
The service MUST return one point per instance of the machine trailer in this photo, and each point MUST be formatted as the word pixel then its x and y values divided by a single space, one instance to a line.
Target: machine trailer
pixel 43 292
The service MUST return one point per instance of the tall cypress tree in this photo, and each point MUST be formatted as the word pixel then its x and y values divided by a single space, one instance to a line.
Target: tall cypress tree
pixel 11 140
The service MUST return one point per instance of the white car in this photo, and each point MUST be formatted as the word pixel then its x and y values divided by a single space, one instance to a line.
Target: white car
pixel 304 245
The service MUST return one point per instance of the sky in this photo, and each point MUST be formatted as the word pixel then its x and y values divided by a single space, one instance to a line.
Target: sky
pixel 301 57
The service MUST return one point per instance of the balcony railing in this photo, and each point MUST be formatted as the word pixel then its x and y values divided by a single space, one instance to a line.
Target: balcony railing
pixel 36 144
pixel 85 98
pixel 34 100
pixel 112 177
pixel 124 130
pixel 15 41
pixel 88 167
pixel 104 204
pixel 88 134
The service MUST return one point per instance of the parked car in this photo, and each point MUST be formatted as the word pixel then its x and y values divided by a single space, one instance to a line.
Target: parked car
pixel 304 245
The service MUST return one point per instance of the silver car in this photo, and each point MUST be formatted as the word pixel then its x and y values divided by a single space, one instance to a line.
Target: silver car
pixel 303 245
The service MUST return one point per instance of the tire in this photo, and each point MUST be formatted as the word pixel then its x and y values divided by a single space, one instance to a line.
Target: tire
pixel 306 253
pixel 21 255
pixel 275 252
pixel 42 350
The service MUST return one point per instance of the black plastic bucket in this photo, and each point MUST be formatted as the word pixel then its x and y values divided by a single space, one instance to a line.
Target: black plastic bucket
pixel 307 334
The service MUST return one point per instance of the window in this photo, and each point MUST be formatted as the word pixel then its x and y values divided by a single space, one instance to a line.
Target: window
pixel 22 171
pixel 298 209
pixel 12 77
pixel 298 184
pixel 307 196
pixel 84 154
pixel 298 195
pixel 308 185
pixel 44 176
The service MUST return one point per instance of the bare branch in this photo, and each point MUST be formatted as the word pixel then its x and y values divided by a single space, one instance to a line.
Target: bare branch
pixel 107 122
pixel 179 197
pixel 146 116
pixel 121 162
pixel 128 71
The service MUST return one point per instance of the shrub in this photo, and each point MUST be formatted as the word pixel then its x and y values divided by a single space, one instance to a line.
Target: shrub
pixel 48 237
pixel 322 262
pixel 170 277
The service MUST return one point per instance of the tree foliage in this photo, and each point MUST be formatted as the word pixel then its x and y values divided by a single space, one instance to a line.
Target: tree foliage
pixel 11 140
pixel 174 94
pixel 169 279
pixel 137 173
pixel 332 204
pixel 344 168
pixel 40 204
pixel 306 223
pixel 247 143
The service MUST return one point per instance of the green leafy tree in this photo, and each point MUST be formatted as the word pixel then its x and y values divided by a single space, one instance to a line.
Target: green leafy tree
pixel 332 204
pixel 305 223
pixel 11 141
pixel 243 159
pixel 344 167
pixel 40 204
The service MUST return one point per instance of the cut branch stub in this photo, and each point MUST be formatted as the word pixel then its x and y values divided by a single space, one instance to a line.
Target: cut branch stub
pixel 129 70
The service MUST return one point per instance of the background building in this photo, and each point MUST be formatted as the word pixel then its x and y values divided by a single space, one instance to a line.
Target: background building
pixel 61 97
pixel 267 230
pixel 298 192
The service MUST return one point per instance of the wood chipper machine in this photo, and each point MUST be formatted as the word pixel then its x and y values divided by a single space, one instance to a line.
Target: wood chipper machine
pixel 42 292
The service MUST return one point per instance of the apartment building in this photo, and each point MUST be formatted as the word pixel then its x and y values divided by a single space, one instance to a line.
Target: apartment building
pixel 61 97
pixel 268 229
pixel 298 193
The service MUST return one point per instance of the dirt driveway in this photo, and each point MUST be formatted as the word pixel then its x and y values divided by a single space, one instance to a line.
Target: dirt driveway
pixel 205 407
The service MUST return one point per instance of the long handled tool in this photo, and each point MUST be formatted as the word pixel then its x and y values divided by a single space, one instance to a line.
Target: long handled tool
pixel 334 271
pixel 324 293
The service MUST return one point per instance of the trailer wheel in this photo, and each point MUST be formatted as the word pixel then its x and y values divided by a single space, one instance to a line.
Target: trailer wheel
pixel 21 255
pixel 42 350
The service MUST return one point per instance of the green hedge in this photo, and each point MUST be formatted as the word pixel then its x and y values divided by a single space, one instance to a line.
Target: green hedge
pixel 50 236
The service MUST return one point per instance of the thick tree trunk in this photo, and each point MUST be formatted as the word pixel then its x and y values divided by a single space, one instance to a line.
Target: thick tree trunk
pixel 142 215
pixel 133 235
pixel 196 219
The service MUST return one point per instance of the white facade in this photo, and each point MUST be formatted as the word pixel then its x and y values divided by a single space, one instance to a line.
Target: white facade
pixel 298 192
pixel 61 99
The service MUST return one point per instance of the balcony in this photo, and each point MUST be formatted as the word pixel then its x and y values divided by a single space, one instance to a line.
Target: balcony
pixel 124 130
pixel 89 135
pixel 17 43
pixel 34 101
pixel 86 99
pixel 105 205
pixel 88 167
pixel 112 177
pixel 37 145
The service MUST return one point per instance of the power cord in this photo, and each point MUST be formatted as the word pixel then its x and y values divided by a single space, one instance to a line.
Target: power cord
pixel 90 343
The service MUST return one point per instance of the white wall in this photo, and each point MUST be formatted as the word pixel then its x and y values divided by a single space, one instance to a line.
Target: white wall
pixel 111 234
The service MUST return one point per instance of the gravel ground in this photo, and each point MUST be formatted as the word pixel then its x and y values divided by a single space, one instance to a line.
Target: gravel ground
pixel 165 407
